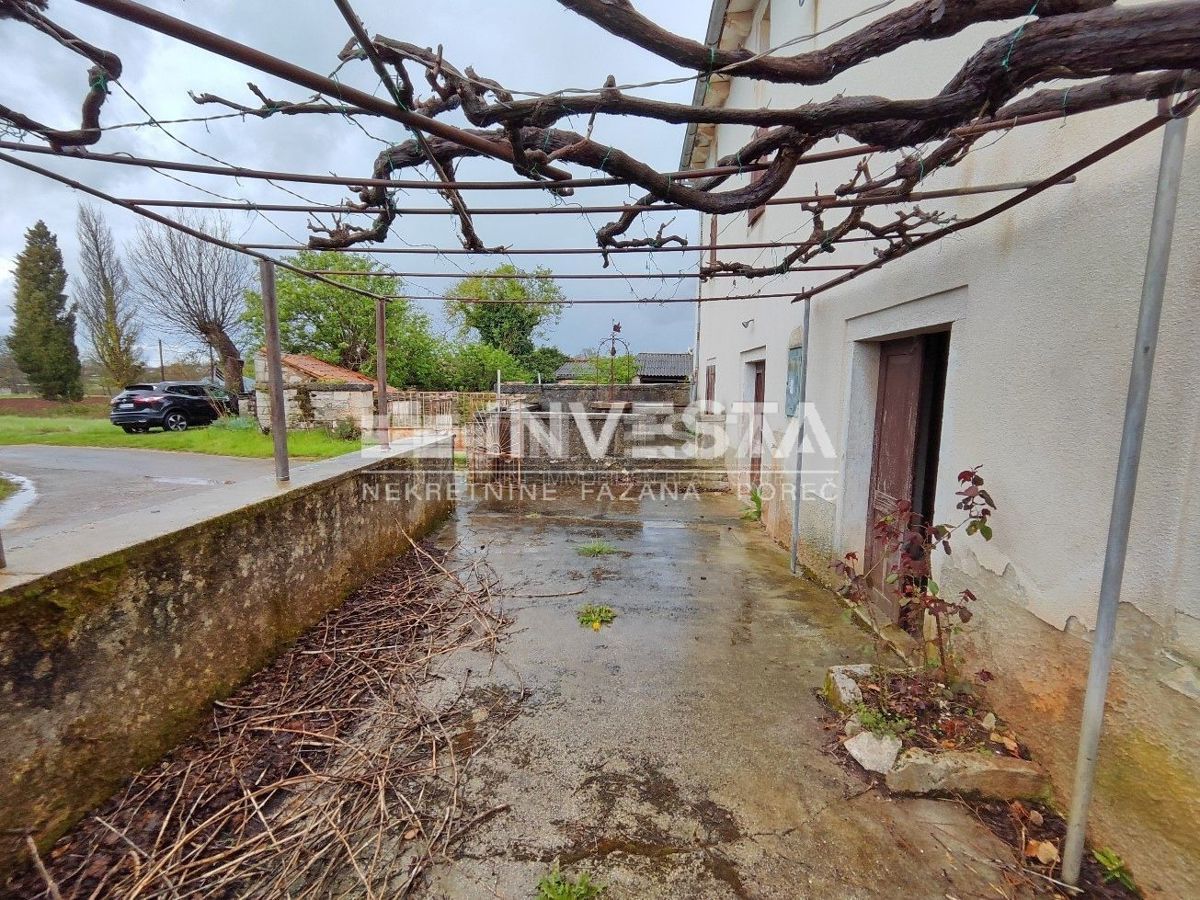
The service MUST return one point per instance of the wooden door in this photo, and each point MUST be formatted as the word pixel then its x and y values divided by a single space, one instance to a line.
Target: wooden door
pixel 756 422
pixel 897 414
pixel 710 389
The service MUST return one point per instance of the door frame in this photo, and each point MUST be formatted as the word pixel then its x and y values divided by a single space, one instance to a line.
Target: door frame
pixel 936 312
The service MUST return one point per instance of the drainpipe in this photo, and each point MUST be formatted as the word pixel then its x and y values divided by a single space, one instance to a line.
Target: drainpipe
pixel 799 489
pixel 1161 230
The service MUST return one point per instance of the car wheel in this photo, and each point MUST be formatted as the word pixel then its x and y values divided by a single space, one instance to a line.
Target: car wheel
pixel 128 429
pixel 175 421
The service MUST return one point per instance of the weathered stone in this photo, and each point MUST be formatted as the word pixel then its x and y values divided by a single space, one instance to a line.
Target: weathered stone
pixel 875 753
pixel 985 774
pixel 989 722
pixel 841 688
pixel 852 727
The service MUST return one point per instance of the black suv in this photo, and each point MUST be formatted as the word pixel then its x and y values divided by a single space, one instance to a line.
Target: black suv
pixel 170 405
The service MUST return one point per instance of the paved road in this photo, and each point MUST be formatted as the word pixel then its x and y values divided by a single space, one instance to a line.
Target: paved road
pixel 73 486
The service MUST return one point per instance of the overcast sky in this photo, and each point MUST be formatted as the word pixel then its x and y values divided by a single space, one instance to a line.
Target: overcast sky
pixel 533 45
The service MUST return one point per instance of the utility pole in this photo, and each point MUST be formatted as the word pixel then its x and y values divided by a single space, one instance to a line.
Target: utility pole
pixel 162 369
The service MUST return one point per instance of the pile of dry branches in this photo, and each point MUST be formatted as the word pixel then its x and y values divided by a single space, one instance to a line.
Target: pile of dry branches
pixel 332 772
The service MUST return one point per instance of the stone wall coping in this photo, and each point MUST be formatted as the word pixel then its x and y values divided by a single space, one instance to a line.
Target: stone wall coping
pixel 73 546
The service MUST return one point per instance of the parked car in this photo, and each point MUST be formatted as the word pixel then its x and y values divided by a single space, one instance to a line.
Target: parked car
pixel 170 405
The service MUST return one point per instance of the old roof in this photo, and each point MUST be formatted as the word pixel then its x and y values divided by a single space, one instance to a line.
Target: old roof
pixel 664 365
pixel 319 370
pixel 572 368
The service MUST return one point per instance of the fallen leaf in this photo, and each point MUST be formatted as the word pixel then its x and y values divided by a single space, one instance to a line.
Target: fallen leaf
pixel 1043 851
pixel 1009 744
pixel 1035 817
pixel 410 834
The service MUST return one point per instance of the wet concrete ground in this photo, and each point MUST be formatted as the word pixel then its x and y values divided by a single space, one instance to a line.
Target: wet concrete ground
pixel 680 753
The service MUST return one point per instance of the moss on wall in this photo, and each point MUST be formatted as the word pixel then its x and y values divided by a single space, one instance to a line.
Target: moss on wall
pixel 106 665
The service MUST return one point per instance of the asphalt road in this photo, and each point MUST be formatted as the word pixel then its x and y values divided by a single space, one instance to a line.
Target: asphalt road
pixel 74 486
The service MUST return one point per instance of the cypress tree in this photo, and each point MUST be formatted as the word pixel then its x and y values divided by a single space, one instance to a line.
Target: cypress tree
pixel 43 334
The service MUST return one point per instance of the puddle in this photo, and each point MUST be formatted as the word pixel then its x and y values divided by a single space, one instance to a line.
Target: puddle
pixel 15 505
pixel 185 479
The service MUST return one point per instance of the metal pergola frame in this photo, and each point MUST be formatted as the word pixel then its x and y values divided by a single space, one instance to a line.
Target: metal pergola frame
pixel 1172 119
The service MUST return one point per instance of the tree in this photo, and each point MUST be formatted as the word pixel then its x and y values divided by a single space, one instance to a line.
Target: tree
pixel 519 309
pixel 544 361
pixel 600 368
pixel 43 334
pixel 339 326
pixel 473 367
pixel 197 289
pixel 105 307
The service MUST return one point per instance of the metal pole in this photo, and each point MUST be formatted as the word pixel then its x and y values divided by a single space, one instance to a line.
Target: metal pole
pixel 1157 258
pixel 799 488
pixel 381 385
pixel 274 370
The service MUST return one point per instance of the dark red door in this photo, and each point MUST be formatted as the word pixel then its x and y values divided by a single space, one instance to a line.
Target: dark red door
pixel 897 415
pixel 756 422
pixel 710 388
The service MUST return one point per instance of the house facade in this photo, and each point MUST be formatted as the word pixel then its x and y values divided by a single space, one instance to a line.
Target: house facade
pixel 1006 346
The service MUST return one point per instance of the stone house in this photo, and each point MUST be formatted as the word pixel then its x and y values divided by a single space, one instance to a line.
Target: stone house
pixel 317 394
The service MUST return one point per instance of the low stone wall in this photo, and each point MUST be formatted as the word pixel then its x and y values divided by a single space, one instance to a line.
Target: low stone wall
pixel 107 664
pixel 676 394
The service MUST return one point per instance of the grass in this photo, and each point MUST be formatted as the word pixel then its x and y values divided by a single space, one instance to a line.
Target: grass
pixel 593 616
pixel 596 548
pixel 7 488
pixel 557 886
pixel 65 431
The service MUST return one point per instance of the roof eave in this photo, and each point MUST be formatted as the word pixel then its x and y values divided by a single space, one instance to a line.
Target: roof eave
pixel 712 38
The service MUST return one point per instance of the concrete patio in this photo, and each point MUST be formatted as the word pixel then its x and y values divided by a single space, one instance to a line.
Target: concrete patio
pixel 680 752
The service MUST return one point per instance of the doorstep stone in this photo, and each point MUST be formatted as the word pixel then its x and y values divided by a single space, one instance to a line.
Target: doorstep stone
pixel 986 774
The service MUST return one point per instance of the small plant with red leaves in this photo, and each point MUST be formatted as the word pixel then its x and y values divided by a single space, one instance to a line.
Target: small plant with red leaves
pixel 908 546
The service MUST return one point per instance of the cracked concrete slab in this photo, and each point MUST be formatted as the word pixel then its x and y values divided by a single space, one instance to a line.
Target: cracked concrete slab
pixel 680 752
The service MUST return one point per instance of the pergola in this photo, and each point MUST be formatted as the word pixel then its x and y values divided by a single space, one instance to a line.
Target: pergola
pixel 1125 55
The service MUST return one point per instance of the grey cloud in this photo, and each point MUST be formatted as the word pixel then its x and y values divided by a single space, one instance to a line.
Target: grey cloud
pixel 526 44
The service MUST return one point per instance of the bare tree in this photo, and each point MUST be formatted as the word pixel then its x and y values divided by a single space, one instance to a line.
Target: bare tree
pixel 105 304
pixel 197 289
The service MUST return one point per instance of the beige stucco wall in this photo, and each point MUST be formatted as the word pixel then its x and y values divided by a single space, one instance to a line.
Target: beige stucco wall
pixel 1042 303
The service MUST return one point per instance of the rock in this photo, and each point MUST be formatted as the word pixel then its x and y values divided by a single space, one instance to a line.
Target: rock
pixel 841 689
pixel 985 774
pixel 873 752
pixel 852 726
pixel 989 722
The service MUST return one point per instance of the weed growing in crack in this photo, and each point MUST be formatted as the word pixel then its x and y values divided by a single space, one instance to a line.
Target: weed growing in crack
pixel 596 548
pixel 557 886
pixel 593 616
pixel 1114 868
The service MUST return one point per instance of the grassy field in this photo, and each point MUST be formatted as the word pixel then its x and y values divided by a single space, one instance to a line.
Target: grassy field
pixel 68 431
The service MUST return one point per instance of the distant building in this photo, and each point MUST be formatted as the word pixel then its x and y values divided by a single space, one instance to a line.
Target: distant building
pixel 663 368
pixel 316 393
pixel 652 368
